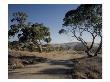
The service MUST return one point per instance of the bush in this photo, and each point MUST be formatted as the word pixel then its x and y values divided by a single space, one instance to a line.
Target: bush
pixel 14 63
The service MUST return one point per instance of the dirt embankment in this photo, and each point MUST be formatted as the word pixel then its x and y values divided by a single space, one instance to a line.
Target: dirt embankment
pixel 87 68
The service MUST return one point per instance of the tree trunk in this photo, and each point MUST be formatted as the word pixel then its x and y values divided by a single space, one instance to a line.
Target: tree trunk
pixel 40 48
pixel 39 45
pixel 88 53
pixel 98 49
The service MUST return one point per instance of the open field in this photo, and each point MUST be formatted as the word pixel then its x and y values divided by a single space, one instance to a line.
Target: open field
pixel 53 65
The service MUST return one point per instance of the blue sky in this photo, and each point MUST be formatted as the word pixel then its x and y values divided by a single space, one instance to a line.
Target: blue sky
pixel 50 15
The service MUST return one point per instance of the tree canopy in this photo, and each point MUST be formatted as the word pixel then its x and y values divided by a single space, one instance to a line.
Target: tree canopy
pixel 86 18
pixel 28 32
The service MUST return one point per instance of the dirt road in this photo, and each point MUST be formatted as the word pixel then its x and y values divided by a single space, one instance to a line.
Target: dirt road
pixel 58 66
pixel 55 65
pixel 51 69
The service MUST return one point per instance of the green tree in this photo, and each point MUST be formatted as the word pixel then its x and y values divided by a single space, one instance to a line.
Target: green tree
pixel 27 32
pixel 86 19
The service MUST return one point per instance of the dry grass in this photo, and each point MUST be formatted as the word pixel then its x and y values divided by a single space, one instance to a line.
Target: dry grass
pixel 50 55
pixel 14 63
pixel 84 68
pixel 18 59
pixel 88 68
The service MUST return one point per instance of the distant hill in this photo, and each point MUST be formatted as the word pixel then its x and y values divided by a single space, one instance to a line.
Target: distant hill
pixel 72 45
pixel 58 47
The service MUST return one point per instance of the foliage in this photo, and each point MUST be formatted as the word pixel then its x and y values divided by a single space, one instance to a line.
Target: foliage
pixel 27 32
pixel 86 19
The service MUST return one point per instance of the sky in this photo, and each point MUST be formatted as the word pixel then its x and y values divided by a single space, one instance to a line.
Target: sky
pixel 51 15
